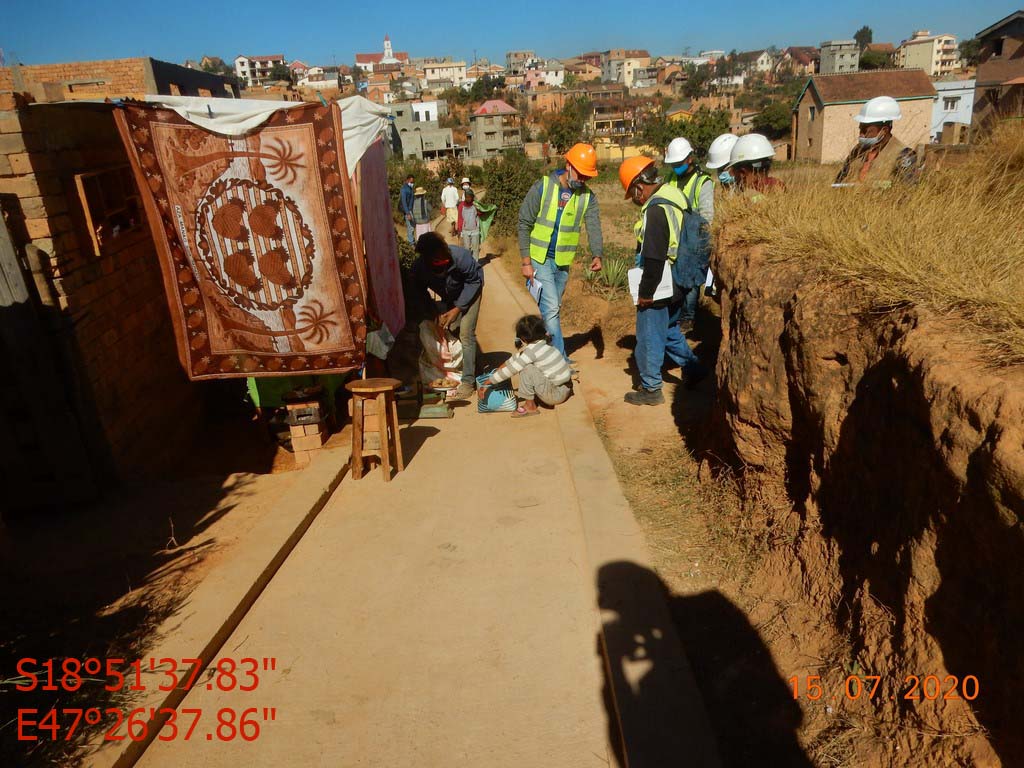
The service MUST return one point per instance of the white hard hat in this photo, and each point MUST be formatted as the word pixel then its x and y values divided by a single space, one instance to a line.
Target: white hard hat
pixel 720 149
pixel 751 148
pixel 678 150
pixel 881 109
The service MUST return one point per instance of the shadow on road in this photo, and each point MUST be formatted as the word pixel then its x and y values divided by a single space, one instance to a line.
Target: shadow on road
pixel 752 712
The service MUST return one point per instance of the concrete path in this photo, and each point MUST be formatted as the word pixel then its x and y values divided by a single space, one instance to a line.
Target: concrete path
pixel 448 618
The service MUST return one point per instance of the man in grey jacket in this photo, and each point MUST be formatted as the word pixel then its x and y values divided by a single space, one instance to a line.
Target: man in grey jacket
pixel 550 220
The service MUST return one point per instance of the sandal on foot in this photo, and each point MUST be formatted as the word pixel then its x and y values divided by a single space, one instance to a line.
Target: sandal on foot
pixel 522 413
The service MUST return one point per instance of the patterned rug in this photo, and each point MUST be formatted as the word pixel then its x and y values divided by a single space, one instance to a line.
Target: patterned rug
pixel 262 273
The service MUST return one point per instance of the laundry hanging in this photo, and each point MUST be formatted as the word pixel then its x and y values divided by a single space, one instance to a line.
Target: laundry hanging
pixel 255 235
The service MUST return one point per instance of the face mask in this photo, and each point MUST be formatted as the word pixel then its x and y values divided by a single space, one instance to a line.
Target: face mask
pixel 575 185
pixel 726 178
pixel 681 169
pixel 866 142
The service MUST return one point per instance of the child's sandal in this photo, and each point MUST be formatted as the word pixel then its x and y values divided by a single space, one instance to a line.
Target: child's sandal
pixel 522 413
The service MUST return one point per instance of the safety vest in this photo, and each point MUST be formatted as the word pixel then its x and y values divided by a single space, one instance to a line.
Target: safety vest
pixel 568 240
pixel 673 215
pixel 691 189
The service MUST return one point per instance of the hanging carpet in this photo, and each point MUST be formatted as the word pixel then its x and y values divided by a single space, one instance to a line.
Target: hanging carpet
pixel 254 233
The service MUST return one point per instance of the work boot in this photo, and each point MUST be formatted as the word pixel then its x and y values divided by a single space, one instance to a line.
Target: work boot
pixel 645 397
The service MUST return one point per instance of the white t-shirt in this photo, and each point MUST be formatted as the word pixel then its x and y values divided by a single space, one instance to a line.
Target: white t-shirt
pixel 449 197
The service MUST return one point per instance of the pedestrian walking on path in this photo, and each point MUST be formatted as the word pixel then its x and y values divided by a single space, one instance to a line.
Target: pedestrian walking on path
pixel 543 373
pixel 550 220
pixel 468 224
pixel 453 274
pixel 405 201
pixel 422 213
pixel 450 203
pixel 657 320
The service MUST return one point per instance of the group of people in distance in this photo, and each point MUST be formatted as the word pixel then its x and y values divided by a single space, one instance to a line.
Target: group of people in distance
pixel 676 209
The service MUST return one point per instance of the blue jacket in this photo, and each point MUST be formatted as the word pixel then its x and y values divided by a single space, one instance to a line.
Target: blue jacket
pixel 458 287
pixel 405 198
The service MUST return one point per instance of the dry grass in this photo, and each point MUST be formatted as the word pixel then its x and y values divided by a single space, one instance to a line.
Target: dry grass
pixel 953 244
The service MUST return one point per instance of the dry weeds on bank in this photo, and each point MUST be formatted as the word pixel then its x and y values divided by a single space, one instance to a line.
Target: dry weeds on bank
pixel 953 244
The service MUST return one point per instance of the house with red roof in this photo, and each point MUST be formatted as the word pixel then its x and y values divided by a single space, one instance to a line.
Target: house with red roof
pixel 494 127
pixel 388 58
pixel 255 70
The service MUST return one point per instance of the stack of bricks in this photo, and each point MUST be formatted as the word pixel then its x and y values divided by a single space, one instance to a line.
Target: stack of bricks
pixel 144 408
pixel 308 427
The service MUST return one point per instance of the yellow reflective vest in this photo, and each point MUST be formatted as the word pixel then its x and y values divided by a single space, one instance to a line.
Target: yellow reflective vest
pixel 673 215
pixel 569 225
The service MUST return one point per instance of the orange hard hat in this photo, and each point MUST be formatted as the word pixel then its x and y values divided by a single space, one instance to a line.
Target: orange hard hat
pixel 583 157
pixel 631 168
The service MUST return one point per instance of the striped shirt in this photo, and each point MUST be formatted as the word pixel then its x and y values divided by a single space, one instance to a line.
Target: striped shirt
pixel 548 359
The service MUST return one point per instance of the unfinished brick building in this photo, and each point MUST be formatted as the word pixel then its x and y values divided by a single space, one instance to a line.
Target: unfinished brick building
pixel 95 391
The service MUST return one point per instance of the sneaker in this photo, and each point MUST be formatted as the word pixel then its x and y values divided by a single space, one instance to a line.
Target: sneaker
pixel 464 392
pixel 645 397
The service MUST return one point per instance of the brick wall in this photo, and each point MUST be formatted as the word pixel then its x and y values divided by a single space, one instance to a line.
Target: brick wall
pixel 127 363
pixel 114 79
pixel 84 79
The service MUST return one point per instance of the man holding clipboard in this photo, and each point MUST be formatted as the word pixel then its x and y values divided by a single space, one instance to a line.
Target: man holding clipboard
pixel 658 299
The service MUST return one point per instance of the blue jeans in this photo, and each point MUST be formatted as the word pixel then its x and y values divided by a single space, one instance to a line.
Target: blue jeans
pixel 553 279
pixel 410 231
pixel 689 306
pixel 658 335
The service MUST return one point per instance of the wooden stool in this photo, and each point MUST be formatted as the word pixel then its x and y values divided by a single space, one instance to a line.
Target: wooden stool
pixel 380 393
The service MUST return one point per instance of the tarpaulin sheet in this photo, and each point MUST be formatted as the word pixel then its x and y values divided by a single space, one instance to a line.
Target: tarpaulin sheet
pixel 385 275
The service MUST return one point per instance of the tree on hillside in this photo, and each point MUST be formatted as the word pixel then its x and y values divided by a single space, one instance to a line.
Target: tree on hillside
pixel 570 80
pixel 775 120
pixel 969 51
pixel 704 127
pixel 565 128
pixel 864 36
pixel 697 79
pixel 873 60
pixel 280 72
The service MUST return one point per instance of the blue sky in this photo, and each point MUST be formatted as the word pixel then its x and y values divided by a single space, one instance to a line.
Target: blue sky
pixel 325 32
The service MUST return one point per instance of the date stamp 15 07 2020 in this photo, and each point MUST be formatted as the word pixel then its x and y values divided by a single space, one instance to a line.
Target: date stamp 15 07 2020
pixel 914 688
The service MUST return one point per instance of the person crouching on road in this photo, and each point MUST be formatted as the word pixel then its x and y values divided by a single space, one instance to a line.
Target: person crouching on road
pixel 453 274
pixel 879 158
pixel 450 203
pixel 543 373
pixel 468 224
pixel 657 321
pixel 750 162
pixel 550 220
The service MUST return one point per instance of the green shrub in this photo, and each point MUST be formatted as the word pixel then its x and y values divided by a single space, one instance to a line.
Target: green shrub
pixel 507 180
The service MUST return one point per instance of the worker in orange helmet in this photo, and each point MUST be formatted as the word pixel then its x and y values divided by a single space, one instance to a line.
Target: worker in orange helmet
pixel 659 300
pixel 551 217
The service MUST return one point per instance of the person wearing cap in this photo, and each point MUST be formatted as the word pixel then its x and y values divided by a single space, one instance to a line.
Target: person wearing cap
pixel 550 220
pixel 879 158
pixel 658 230
pixel 750 163
pixel 450 203
pixel 466 187
pixel 699 192
pixel 405 200
pixel 421 212
pixel 453 274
